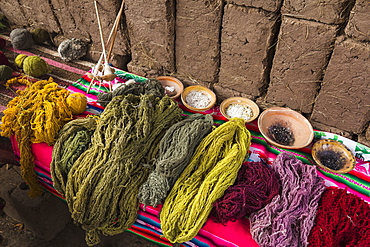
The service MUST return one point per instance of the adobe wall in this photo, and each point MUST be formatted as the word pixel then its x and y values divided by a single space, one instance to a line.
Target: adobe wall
pixel 312 56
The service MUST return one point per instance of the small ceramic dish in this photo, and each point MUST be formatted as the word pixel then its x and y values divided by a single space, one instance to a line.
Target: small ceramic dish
pixel 248 114
pixel 173 86
pixel 195 95
pixel 333 156
pixel 285 128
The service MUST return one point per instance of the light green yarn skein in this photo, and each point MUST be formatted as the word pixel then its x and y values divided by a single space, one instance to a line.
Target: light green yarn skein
pixel 35 66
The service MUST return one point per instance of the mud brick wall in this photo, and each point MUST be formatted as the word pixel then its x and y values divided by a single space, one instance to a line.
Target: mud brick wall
pixel 198 25
pixel 151 26
pixel 325 11
pixel 245 49
pixel 345 89
pixel 302 52
pixel 309 55
pixel 358 24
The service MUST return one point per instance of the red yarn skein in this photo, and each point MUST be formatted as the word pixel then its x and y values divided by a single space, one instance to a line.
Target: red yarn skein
pixel 254 187
pixel 342 219
pixel 3 59
pixel 2 43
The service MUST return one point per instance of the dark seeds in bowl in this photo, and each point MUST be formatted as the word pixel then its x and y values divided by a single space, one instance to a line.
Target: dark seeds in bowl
pixel 281 134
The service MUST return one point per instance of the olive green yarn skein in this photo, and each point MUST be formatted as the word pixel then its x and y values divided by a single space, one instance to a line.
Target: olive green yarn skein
pixel 35 66
pixel 40 35
pixel 212 169
pixel 73 139
pixel 5 72
pixel 103 183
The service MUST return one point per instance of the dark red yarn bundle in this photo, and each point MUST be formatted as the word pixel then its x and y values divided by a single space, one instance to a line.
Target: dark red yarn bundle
pixel 342 219
pixel 254 187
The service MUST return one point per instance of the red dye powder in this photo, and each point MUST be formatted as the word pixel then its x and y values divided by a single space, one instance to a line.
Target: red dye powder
pixel 254 187
pixel 342 219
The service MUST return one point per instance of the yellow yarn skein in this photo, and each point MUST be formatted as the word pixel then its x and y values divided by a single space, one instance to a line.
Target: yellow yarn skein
pixel 77 102
pixel 36 115
pixel 19 60
pixel 212 169
pixel 35 66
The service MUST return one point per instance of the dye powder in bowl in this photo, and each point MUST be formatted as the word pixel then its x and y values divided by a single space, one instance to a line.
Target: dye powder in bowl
pixel 281 133
pixel 333 156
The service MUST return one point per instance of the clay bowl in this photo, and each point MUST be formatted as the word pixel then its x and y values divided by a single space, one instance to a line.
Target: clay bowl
pixel 240 101
pixel 333 156
pixel 169 82
pixel 204 91
pixel 276 123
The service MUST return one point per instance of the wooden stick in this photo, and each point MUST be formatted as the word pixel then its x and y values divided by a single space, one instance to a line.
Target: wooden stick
pixel 100 31
pixel 115 29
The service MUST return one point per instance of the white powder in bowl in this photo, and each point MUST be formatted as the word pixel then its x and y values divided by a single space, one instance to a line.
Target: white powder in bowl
pixel 239 111
pixel 198 99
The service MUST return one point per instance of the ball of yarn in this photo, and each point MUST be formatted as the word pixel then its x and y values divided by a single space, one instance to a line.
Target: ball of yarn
pixel 77 102
pixel 3 59
pixel 21 39
pixel 40 35
pixel 19 60
pixel 2 43
pixel 71 49
pixel 5 72
pixel 35 66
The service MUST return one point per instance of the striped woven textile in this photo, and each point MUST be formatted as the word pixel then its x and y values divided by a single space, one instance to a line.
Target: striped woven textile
pixel 236 233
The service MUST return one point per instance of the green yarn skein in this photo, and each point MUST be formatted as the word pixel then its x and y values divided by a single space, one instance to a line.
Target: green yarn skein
pixel 40 35
pixel 35 66
pixel 5 72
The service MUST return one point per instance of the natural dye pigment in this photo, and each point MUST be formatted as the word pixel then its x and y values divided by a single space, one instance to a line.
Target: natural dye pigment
pixel 281 134
pixel 331 159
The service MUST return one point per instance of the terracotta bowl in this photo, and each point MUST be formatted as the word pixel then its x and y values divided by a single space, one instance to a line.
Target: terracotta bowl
pixel 202 89
pixel 286 121
pixel 169 81
pixel 333 156
pixel 240 101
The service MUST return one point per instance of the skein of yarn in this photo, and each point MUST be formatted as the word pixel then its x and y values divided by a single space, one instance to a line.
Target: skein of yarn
pixel 176 148
pixel 103 183
pixel 254 187
pixel 72 49
pixel 77 102
pixel 3 59
pixel 5 72
pixel 19 60
pixel 150 86
pixel 35 66
pixel 342 219
pixel 212 169
pixel 40 35
pixel 288 219
pixel 2 43
pixel 21 39
pixel 74 138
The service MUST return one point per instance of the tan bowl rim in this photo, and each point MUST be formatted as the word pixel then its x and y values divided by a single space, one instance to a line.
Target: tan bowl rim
pixel 321 142
pixel 222 106
pixel 206 89
pixel 305 120
pixel 171 78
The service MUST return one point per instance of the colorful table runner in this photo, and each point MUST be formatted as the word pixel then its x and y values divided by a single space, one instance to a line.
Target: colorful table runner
pixel 236 233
